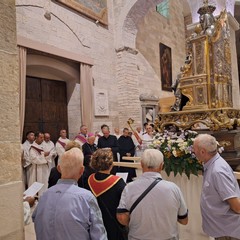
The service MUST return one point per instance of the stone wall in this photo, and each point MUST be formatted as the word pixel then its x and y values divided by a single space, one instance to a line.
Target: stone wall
pixel 155 29
pixel 11 206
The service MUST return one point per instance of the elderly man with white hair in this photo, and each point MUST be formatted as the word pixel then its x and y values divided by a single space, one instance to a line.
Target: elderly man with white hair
pixel 155 214
pixel 66 211
pixel 220 198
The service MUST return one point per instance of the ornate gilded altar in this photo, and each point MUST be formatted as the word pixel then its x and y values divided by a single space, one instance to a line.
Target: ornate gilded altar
pixel 205 80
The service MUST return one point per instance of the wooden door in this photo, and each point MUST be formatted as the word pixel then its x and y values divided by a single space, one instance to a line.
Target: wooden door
pixel 46 106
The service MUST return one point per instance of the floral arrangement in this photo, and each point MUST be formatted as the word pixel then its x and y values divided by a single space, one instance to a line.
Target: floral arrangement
pixel 177 150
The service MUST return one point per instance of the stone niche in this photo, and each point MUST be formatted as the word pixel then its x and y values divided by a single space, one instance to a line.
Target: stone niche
pixel 150 108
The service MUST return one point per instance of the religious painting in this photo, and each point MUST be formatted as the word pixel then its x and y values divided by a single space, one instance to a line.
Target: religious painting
pixel 95 9
pixel 166 67
pixel 101 102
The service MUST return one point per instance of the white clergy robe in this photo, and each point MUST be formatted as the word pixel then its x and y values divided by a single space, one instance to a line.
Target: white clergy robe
pixel 80 139
pixel 49 147
pixel 60 146
pixel 39 169
pixel 26 147
pixel 26 161
pixel 146 140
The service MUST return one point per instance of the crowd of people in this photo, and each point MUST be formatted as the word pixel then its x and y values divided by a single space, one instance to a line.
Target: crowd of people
pixel 85 198
pixel 40 154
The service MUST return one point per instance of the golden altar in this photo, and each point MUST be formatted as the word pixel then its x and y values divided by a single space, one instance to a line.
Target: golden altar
pixel 203 88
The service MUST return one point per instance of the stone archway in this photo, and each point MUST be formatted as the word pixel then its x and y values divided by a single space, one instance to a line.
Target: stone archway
pixel 127 75
pixel 47 66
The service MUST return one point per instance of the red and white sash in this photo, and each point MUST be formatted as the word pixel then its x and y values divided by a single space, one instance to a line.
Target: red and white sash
pixel 81 138
pixel 39 150
pixel 61 143
pixel 99 187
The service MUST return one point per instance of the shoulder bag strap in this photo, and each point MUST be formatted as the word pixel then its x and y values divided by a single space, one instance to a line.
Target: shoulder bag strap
pixel 144 194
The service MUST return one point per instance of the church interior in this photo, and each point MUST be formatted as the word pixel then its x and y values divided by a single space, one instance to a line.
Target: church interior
pixel 67 63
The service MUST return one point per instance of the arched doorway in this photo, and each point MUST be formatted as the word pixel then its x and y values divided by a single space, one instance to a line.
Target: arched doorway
pixel 46 106
pixel 50 85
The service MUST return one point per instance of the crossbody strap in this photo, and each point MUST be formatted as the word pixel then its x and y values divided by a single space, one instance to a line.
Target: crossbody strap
pixel 144 194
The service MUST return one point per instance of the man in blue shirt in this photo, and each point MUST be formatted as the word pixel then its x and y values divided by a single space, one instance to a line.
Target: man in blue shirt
pixel 66 211
pixel 220 198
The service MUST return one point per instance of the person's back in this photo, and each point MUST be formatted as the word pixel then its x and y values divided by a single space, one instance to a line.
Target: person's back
pixel 66 211
pixel 107 188
pixel 156 215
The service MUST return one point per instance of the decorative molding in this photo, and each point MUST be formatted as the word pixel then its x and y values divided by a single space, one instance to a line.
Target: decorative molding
pixel 127 49
pixel 43 47
pixel 148 97
pixel 213 119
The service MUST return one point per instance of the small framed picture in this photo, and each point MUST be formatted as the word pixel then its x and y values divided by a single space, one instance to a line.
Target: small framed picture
pixel 95 9
pixel 166 67
pixel 101 102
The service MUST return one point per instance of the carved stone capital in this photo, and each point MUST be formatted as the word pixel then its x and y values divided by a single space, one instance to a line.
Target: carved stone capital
pixel 127 49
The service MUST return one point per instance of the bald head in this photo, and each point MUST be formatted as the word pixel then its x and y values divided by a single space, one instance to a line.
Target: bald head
pixel 71 165
pixel 152 159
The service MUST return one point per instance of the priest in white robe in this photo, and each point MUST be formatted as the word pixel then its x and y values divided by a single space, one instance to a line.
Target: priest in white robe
pixel 147 137
pixel 61 143
pixel 40 159
pixel 25 155
pixel 50 147
pixel 81 138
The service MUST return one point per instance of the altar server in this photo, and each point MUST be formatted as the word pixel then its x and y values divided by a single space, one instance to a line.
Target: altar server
pixel 81 138
pixel 25 156
pixel 40 160
pixel 49 147
pixel 61 143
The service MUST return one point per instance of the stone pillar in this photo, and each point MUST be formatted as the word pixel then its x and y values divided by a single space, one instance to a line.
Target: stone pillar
pixel 11 199
pixel 128 90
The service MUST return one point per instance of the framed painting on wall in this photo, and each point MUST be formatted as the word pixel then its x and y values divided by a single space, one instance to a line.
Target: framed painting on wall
pixel 166 67
pixel 101 102
pixel 95 9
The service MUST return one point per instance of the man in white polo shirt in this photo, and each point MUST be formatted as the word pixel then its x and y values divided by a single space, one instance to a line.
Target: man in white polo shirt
pixel 157 214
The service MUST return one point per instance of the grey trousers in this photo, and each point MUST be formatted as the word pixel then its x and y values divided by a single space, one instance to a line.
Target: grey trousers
pixel 227 238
